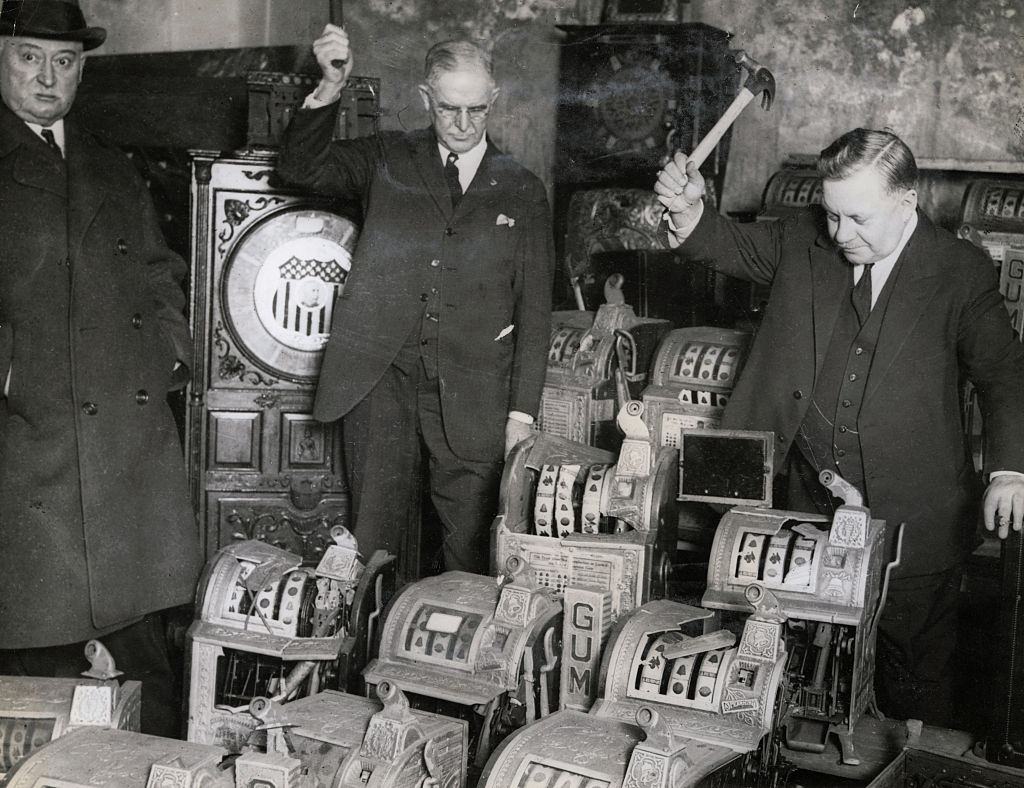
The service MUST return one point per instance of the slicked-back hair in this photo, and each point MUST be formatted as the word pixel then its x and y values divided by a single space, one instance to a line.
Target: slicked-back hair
pixel 862 148
pixel 454 55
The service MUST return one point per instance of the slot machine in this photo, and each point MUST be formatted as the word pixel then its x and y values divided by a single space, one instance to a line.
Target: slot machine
pixel 594 526
pixel 266 624
pixel 349 741
pixel 587 354
pixel 681 705
pixel 691 379
pixel 827 574
pixel 95 756
pixel 480 648
pixel 35 711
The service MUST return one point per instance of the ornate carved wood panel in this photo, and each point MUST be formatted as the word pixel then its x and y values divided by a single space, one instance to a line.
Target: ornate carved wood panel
pixel 267 264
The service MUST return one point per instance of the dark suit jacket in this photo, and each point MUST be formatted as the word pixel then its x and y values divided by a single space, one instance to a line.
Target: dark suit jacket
pixel 491 274
pixel 96 528
pixel 945 318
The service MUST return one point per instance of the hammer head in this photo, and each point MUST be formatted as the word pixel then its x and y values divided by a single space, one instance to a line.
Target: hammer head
pixel 759 79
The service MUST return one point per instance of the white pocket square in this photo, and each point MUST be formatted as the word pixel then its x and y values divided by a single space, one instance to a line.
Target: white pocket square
pixel 503 219
pixel 505 331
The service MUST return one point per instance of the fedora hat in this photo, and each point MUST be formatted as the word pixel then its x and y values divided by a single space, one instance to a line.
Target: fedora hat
pixel 59 20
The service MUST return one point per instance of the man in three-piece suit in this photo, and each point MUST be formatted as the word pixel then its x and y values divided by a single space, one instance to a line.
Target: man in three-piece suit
pixel 874 316
pixel 97 534
pixel 441 334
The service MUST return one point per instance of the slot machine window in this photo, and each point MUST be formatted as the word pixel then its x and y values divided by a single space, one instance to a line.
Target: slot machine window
pixel 726 466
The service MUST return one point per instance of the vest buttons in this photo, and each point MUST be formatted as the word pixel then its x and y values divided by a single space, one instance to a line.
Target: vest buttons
pixel 137 320
pixel 435 263
pixel 141 397
pixel 449 231
pixel 841 453
pixel 424 297
pixel 89 408
pixel 853 376
pixel 122 246
pixel 847 403
pixel 859 351
pixel 842 428
pixel 798 394
pixel 424 341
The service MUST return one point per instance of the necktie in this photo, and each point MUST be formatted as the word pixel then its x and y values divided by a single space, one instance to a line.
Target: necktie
pixel 861 295
pixel 47 135
pixel 451 175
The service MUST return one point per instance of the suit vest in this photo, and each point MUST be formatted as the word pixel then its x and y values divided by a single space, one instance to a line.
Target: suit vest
pixel 829 437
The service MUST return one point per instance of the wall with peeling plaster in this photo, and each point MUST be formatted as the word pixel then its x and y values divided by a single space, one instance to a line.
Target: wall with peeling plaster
pixel 947 76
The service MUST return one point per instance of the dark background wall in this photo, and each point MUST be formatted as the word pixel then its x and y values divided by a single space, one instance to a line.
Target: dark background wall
pixel 948 76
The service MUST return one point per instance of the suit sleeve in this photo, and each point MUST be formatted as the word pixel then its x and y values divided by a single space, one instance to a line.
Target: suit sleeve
pixel 312 160
pixel 993 359
pixel 535 260
pixel 746 251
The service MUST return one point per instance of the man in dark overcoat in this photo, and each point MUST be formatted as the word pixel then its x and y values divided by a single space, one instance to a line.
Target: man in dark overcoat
pixel 441 333
pixel 96 530
pixel 875 315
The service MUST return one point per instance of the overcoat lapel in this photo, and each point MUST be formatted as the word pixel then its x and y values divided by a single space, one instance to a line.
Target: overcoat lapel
pixel 915 287
pixel 34 165
pixel 427 161
pixel 86 195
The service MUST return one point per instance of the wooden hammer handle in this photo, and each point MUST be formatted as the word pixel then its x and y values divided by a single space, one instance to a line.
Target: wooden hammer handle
pixel 713 137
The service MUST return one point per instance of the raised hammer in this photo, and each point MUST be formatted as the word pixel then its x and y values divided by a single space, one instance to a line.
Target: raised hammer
pixel 759 80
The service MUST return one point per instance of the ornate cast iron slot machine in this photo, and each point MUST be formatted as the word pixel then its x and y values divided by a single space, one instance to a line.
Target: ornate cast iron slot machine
pixel 267 265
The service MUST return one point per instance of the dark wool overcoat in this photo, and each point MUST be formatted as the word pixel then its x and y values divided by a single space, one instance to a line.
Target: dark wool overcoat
pixel 490 261
pixel 945 321
pixel 96 528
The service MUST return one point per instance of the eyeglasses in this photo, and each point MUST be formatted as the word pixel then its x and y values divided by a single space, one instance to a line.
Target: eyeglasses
pixel 449 113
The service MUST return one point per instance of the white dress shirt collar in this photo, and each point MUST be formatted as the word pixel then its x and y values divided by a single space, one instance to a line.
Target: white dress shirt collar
pixel 58 132
pixel 880 271
pixel 468 162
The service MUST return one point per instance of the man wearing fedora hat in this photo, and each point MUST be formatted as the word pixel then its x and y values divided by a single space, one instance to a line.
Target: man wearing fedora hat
pixel 96 528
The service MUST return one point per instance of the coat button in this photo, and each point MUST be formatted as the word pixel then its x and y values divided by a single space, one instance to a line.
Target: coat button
pixel 449 231
pixel 859 351
pixel 141 397
pixel 435 263
pixel 841 453
pixel 137 320
pixel 842 428
pixel 424 297
pixel 853 377
pixel 122 246
pixel 798 394
pixel 89 408
pixel 847 403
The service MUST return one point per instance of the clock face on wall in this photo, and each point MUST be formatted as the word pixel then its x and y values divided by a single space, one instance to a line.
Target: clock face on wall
pixel 280 284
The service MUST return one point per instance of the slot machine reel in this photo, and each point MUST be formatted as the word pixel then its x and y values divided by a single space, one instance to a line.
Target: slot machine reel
pixel 268 625
pixel 680 706
pixel 584 517
pixel 828 576
pixel 35 711
pixel 581 397
pixel 691 380
pixel 479 648
pixel 349 741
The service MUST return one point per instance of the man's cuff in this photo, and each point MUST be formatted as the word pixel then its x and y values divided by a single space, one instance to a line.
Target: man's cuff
pixel 676 235
pixel 314 102
pixel 994 474
pixel 518 415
